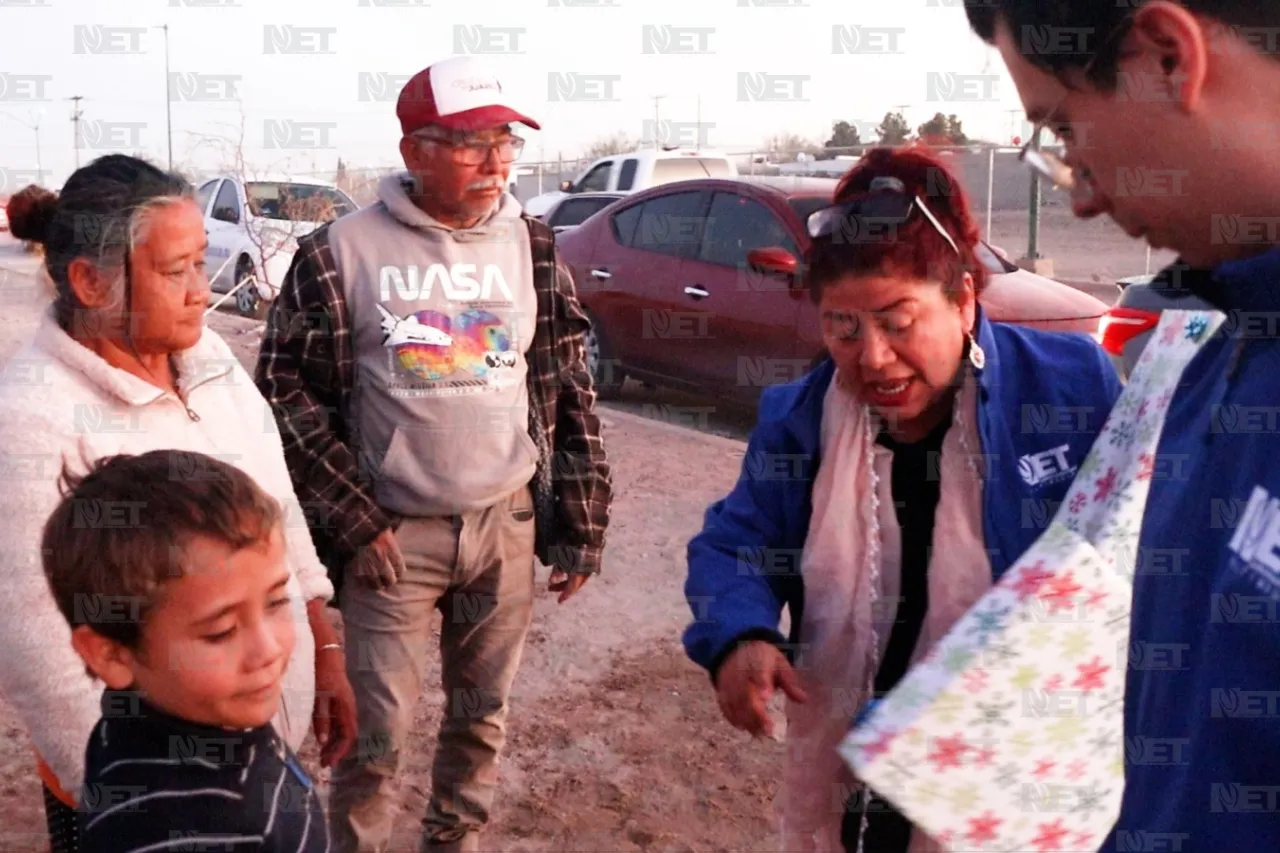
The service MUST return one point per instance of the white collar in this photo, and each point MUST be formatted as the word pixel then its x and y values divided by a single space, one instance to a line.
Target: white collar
pixel 195 366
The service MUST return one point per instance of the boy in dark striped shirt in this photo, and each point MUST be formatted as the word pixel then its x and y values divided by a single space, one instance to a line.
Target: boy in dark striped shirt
pixel 184 613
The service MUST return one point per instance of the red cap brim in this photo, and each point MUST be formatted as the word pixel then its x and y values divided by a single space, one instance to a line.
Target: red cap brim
pixel 484 117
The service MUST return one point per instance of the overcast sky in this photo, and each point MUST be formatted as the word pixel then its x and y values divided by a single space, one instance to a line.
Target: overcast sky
pixel 316 79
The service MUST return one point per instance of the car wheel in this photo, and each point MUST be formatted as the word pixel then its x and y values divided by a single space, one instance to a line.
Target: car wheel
pixel 606 374
pixel 248 299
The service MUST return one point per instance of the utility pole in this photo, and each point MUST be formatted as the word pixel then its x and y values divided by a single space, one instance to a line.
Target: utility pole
pixel 76 113
pixel 1013 123
pixel 168 95
pixel 656 119
pixel 39 165
pixel 1033 225
pixel 1034 261
pixel 35 117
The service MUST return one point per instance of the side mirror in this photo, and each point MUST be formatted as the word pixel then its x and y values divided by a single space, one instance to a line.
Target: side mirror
pixel 774 260
pixel 226 214
pixel 566 186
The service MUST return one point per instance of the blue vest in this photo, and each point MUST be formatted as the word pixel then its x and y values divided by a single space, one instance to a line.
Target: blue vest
pixel 1202 699
pixel 1043 398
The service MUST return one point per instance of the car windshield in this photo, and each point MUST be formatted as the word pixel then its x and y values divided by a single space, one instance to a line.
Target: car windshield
pixel 296 202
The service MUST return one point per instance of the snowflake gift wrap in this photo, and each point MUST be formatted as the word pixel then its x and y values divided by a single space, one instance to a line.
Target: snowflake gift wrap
pixel 1008 735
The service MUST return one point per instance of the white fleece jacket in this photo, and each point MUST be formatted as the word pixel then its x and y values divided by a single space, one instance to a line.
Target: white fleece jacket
pixel 59 400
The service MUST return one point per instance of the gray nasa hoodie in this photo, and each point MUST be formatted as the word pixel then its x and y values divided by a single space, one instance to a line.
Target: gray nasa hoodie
pixel 441 321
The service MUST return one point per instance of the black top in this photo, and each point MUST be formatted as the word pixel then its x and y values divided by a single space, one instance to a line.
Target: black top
pixel 916 489
pixel 156 782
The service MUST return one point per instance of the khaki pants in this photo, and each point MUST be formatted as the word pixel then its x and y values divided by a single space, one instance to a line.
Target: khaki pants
pixel 477 569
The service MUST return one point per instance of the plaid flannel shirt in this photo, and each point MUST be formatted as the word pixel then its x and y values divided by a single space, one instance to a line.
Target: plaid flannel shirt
pixel 307 370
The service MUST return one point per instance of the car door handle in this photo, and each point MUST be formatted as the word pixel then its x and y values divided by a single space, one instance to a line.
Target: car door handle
pixel 696 292
pixel 601 274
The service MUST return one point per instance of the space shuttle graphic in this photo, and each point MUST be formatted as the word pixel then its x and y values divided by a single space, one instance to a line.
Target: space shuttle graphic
pixel 407 330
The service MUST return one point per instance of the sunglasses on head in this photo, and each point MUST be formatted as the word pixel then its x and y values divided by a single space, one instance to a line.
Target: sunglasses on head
pixel 862 220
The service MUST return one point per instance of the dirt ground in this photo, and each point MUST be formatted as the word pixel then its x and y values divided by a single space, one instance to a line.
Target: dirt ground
pixel 1081 250
pixel 616 743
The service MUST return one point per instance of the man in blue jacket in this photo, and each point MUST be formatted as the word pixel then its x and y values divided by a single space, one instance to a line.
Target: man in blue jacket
pixel 1191 90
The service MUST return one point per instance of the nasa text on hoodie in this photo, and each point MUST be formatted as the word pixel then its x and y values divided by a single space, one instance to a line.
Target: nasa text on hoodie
pixel 441 321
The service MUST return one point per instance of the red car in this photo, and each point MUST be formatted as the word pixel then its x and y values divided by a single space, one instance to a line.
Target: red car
pixel 694 285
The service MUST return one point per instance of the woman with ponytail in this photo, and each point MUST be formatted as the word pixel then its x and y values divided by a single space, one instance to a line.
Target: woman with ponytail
pixel 123 363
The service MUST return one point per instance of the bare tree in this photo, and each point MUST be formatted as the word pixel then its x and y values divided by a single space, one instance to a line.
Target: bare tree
pixel 785 146
pixel 273 218
pixel 618 143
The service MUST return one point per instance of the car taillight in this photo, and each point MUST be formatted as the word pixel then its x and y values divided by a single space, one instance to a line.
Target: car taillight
pixel 1121 325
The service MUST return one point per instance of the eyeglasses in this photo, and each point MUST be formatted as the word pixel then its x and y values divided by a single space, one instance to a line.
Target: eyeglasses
pixel 473 152
pixel 1048 164
pixel 887 205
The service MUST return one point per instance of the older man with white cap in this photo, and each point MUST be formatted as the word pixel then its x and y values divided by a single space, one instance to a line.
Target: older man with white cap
pixel 425 358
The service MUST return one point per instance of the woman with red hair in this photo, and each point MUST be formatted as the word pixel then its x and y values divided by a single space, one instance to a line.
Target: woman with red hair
pixel 915 474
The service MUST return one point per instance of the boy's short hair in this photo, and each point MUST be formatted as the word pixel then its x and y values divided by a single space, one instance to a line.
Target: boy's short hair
pixel 123 527
pixel 1034 23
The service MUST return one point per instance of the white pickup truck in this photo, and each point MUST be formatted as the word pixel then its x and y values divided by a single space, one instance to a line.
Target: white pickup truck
pixel 636 171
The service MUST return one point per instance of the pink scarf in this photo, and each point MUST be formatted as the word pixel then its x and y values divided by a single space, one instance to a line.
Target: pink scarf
pixel 851 566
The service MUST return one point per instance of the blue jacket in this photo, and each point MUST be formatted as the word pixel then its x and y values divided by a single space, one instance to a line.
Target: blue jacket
pixel 1043 398
pixel 1202 699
